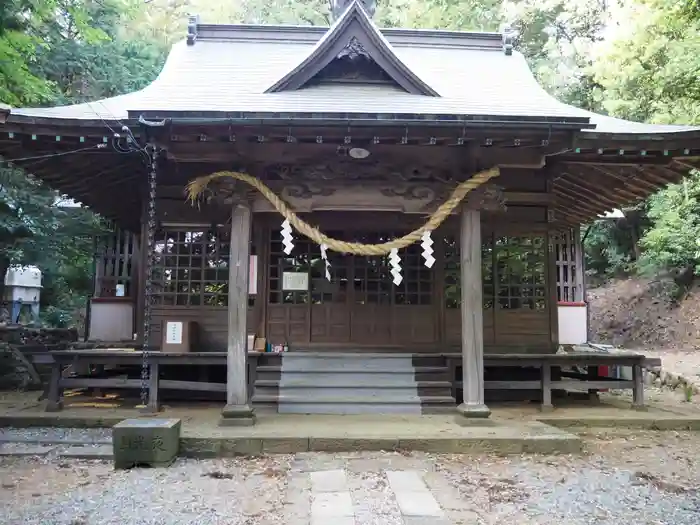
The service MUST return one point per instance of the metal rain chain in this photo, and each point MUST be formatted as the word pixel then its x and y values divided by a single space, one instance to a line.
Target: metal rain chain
pixel 287 238
pixel 150 256
pixel 395 263
pixel 427 245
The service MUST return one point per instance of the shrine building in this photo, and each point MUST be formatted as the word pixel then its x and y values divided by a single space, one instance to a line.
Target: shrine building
pixel 363 133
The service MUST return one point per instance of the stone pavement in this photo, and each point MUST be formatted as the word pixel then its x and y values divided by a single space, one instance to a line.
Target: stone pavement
pixel 376 488
pixel 344 497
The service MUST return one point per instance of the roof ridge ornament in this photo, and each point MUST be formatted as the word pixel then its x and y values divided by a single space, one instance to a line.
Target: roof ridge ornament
pixel 351 36
pixel 509 35
pixel 192 23
pixel 338 7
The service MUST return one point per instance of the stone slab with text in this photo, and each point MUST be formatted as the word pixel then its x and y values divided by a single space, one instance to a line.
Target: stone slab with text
pixel 145 442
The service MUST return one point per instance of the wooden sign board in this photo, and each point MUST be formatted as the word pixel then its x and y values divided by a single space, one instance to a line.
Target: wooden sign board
pixel 295 281
pixel 253 275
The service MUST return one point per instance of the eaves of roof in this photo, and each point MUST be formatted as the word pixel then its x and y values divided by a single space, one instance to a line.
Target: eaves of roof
pixel 224 75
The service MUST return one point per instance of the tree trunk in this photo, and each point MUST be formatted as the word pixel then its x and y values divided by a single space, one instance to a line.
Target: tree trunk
pixel 635 242
pixel 4 265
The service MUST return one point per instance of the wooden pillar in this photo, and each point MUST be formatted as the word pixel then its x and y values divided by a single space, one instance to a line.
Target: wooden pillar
pixel 472 408
pixel 238 411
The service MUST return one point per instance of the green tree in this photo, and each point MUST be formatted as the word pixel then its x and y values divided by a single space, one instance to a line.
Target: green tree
pixel 35 229
pixel 80 54
pixel 18 45
pixel 671 243
pixel 650 70
pixel 558 37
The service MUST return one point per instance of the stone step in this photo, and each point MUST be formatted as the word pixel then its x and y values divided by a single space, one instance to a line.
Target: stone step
pixel 331 379
pixel 317 364
pixel 360 355
pixel 349 408
pixel 25 449
pixel 288 398
pixel 346 376
pixel 323 385
pixel 302 405
pixel 358 369
pixel 87 452
pixel 84 451
pixel 428 360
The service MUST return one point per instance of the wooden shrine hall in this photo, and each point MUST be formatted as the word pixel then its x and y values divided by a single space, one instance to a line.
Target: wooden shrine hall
pixel 365 135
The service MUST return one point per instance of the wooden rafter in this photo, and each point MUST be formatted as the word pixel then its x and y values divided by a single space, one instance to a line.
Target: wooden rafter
pixel 690 163
pixel 624 184
pixel 584 189
pixel 577 202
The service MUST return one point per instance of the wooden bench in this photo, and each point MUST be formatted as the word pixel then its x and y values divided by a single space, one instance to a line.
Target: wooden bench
pixel 591 381
pixel 58 360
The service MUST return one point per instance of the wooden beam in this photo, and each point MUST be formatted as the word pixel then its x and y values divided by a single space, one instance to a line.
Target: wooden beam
pixel 626 184
pixel 595 196
pixel 473 406
pixel 569 215
pixel 611 160
pixel 654 177
pixel 676 173
pixel 238 411
pixel 580 201
pixel 691 163
pixel 528 197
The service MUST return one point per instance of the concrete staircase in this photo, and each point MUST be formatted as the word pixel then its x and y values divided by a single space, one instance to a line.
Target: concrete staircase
pixel 353 383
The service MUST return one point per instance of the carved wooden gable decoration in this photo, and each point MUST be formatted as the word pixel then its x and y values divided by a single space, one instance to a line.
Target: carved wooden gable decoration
pixel 354 51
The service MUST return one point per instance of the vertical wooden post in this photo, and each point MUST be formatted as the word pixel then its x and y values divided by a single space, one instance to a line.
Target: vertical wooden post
pixel 238 411
pixel 55 401
pixel 546 388
pixel 473 407
pixel 638 387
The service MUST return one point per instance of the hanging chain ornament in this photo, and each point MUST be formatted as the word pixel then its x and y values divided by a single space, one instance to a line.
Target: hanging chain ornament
pixel 324 256
pixel 287 238
pixel 150 256
pixel 427 245
pixel 395 263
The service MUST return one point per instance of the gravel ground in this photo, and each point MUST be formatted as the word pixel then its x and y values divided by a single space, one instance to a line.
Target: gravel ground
pixel 624 478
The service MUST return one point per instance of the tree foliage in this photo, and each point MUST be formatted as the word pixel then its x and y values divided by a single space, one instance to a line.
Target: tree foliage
pixel 672 242
pixel 61 52
pixel 650 71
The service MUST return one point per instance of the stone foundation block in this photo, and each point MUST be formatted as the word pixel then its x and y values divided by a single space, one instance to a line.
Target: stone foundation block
pixel 145 442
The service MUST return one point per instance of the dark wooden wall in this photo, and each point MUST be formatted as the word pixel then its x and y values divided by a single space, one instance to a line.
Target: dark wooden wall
pixel 433 325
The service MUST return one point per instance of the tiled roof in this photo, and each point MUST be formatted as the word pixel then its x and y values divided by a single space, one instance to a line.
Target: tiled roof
pixel 229 69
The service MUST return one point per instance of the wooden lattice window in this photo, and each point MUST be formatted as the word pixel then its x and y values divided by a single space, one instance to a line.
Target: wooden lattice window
pixel 306 258
pixel 114 264
pixel 299 261
pixel 367 279
pixel 453 286
pixel 191 267
pixel 373 280
pixel 417 285
pixel 569 266
pixel 521 272
pixel 333 291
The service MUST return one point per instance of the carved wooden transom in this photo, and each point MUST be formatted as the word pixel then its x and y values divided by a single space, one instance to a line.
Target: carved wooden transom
pixel 353 64
pixel 353 172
